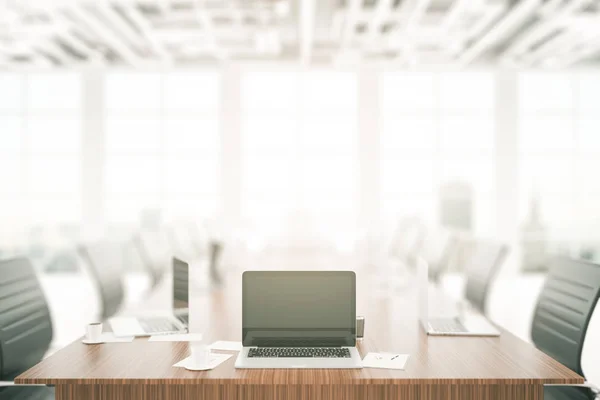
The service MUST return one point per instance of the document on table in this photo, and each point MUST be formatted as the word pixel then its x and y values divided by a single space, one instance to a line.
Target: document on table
pixel 385 360
pixel 185 337
pixel 226 345
pixel 215 360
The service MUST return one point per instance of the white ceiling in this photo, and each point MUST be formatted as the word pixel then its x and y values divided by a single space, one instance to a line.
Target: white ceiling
pixel 402 33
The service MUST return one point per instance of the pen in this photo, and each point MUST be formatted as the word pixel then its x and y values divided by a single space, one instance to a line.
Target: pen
pixel 396 356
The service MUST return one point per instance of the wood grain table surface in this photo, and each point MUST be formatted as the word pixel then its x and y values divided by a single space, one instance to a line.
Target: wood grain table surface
pixel 504 367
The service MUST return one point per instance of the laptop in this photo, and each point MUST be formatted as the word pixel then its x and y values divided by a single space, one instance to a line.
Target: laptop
pixel 299 319
pixel 468 323
pixel 177 322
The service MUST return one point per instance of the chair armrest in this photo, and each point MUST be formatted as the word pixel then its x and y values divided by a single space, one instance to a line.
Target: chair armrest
pixel 12 384
pixel 595 390
pixel 586 385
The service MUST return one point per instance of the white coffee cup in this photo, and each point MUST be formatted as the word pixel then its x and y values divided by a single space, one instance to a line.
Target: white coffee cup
pixel 94 332
pixel 200 354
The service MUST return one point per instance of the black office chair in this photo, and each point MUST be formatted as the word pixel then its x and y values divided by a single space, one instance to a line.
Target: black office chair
pixel 562 315
pixel 106 264
pixel 25 328
pixel 154 252
pixel 482 265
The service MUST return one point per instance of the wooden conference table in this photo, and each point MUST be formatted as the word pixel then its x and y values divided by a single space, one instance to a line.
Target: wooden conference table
pixel 438 368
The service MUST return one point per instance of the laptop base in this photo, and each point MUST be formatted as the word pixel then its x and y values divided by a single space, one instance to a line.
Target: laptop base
pixel 245 362
pixel 131 326
pixel 473 325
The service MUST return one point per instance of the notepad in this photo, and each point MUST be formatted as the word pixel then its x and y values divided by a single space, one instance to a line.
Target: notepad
pixel 226 345
pixel 185 337
pixel 109 337
pixel 385 360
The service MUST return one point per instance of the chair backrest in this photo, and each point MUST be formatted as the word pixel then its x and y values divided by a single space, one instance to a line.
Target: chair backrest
pixel 214 264
pixel 25 322
pixel 438 249
pixel 200 239
pixel 407 239
pixel 564 309
pixel 106 264
pixel 181 241
pixel 153 249
pixel 481 267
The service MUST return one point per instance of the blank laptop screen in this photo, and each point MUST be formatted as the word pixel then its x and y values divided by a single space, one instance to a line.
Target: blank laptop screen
pixel 180 285
pixel 299 308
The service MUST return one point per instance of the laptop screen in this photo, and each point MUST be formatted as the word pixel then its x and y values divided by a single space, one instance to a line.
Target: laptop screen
pixel 299 308
pixel 180 285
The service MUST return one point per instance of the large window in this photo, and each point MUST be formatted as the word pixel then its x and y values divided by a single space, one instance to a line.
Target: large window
pixel 53 148
pixel 162 144
pixel 559 147
pixel 40 131
pixel 11 148
pixel 300 149
pixel 437 129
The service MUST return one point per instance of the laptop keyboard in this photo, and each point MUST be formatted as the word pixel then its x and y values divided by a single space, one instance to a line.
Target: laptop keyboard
pixel 299 352
pixel 157 325
pixel 447 325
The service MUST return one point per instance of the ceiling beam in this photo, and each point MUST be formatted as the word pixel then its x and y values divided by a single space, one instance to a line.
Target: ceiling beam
pixel 583 54
pixel 50 49
pixel 49 55
pixel 65 33
pixel 415 14
pixel 78 45
pixel 41 61
pixel 570 8
pixel 205 21
pixel 492 13
pixel 516 16
pixel 349 27
pixel 119 25
pixel 69 56
pixel 146 28
pixel 376 40
pixel 382 12
pixel 534 34
pixel 554 48
pixel 549 7
pixel 554 19
pixel 108 36
pixel 453 14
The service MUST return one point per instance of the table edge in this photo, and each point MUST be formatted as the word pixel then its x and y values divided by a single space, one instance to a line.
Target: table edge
pixel 240 381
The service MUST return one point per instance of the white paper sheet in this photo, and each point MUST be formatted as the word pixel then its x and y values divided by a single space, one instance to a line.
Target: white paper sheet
pixel 185 337
pixel 109 337
pixel 215 360
pixel 385 360
pixel 226 345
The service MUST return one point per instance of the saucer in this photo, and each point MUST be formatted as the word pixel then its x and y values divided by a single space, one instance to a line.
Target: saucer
pixel 86 341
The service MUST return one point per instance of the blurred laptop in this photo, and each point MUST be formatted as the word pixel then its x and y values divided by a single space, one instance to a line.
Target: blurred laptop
pixel 177 322
pixel 468 323
pixel 299 319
